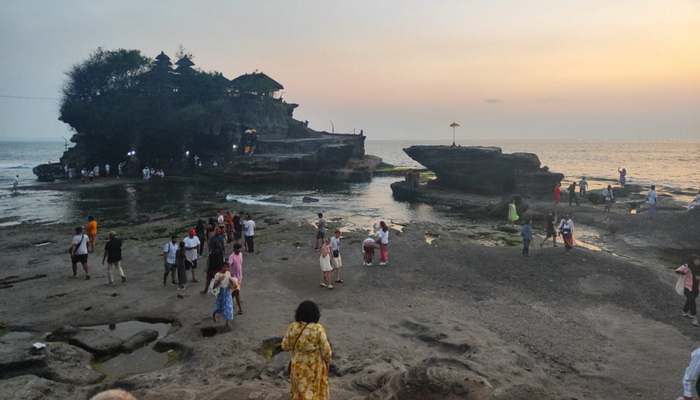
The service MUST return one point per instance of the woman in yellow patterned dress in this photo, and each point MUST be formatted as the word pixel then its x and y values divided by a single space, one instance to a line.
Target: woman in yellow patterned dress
pixel 311 354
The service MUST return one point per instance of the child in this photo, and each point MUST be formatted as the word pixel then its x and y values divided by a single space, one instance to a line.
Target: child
pixel 221 287
pixel 526 233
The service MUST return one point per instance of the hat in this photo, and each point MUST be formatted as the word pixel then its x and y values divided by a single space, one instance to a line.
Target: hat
pixel 248 131
pixel 218 230
pixel 254 131
pixel 193 232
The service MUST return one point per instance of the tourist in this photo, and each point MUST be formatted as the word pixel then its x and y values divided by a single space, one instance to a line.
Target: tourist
pixel 192 245
pixel 526 233
pixel 183 264
pixel 211 230
pixel 652 199
pixel 253 140
pixel 609 196
pixel 550 232
pixel 566 229
pixel 623 176
pixel 201 233
pixel 15 184
pixel 113 394
pixel 91 231
pixel 691 271
pixel 96 170
pixel 170 259
pixel 228 224
pixel 107 170
pixel 218 237
pixel 237 227
pixel 249 234
pixel 221 286
pixel 325 261
pixel 582 186
pixel 695 202
pixel 245 141
pixel 214 263
pixel 235 262
pixel 79 252
pixel 383 240
pixel 691 376
pixel 512 212
pixel 113 255
pixel 219 219
pixel 557 193
pixel 337 261
pixel 368 251
pixel 572 194
pixel 311 354
pixel 321 230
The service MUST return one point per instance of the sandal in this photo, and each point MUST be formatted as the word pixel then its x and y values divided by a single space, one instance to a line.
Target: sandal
pixel 324 285
pixel 331 287
pixel 339 281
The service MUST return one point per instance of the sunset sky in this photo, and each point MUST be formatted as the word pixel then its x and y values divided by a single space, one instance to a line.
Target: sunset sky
pixel 502 69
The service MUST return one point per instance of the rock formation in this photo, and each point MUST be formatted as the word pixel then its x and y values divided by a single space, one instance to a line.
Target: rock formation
pixel 486 170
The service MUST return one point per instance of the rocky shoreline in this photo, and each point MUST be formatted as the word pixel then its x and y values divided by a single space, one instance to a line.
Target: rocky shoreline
pixel 449 318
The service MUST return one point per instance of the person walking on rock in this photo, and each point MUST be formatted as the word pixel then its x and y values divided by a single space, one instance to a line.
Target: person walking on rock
pixel 566 229
pixel 221 286
pixel 652 199
pixel 249 234
pixel 235 262
pixel 79 252
pixel 337 260
pixel 609 196
pixel 572 194
pixel 383 240
pixel 368 252
pixel 113 255
pixel 215 261
pixel 582 186
pixel 321 231
pixel 311 354
pixel 691 273
pixel 191 246
pixel 325 261
pixel 170 259
pixel 526 233
pixel 550 232
pixel 91 230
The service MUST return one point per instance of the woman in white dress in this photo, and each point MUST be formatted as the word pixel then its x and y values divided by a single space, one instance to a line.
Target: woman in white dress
pixel 325 261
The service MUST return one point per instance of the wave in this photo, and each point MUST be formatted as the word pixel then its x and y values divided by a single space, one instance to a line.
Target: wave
pixel 256 201
pixel 17 166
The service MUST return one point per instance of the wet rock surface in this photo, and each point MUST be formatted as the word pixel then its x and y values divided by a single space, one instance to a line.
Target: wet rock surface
pixel 97 342
pixel 139 340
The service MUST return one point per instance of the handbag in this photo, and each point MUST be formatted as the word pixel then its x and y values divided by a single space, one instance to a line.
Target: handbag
pixel 289 365
pixel 680 285
pixel 336 253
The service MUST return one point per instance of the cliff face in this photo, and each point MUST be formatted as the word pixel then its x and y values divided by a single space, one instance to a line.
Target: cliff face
pixel 486 170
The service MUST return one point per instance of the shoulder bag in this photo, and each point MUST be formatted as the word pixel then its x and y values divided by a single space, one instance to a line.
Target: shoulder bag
pixel 289 366
pixel 70 249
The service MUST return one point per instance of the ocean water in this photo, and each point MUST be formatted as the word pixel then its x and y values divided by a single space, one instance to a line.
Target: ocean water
pixel 668 164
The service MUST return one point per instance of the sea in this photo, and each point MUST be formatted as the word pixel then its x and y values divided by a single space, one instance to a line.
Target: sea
pixel 672 165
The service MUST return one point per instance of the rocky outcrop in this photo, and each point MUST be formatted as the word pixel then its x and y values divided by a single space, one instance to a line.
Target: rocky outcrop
pixel 486 170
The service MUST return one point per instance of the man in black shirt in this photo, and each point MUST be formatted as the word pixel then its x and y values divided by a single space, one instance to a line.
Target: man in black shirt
pixel 113 255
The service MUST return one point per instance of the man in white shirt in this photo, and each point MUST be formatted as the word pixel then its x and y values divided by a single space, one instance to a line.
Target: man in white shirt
pixel 249 234
pixel 79 252
pixel 652 199
pixel 169 258
pixel 691 375
pixel 337 261
pixel 191 245
pixel 15 184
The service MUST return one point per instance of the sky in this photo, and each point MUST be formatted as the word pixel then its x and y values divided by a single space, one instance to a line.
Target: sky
pixel 398 70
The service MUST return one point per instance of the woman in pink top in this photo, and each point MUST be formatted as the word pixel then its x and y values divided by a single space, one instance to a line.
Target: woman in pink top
pixel 235 261
pixel 691 270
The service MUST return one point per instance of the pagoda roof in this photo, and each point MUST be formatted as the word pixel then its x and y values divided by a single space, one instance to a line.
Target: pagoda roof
pixel 256 80
pixel 184 62
pixel 162 57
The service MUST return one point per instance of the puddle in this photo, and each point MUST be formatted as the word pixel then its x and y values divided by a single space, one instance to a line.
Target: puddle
pixel 145 359
pixel 271 347
pixel 431 237
pixel 17 336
